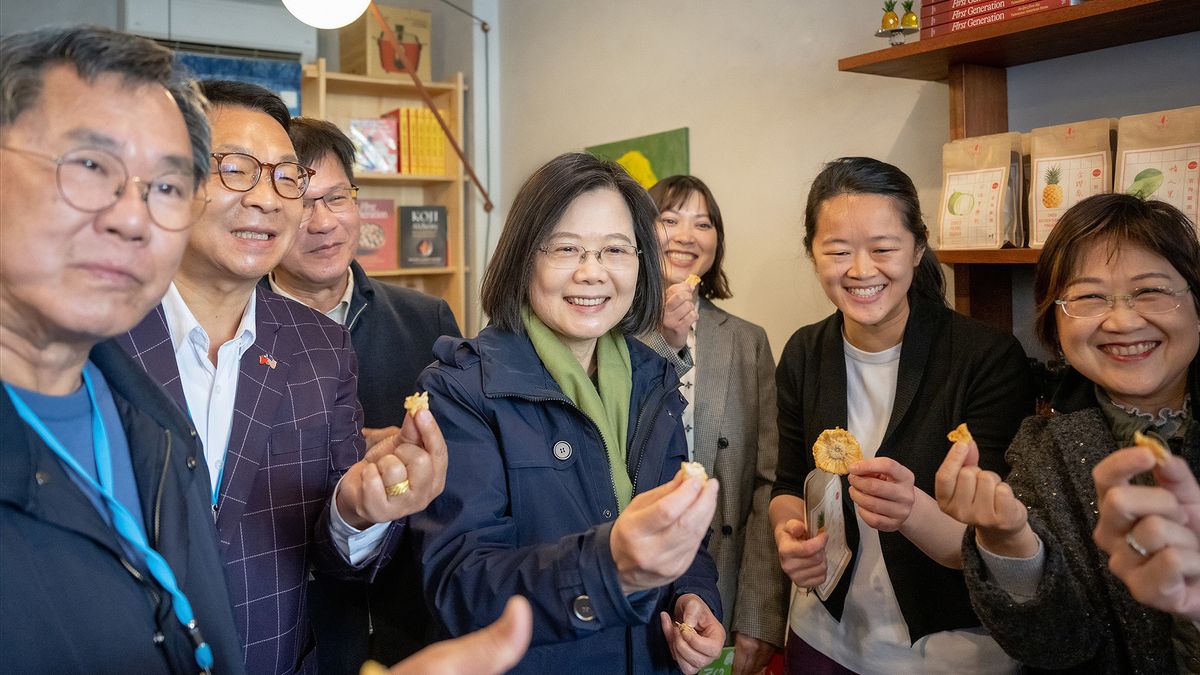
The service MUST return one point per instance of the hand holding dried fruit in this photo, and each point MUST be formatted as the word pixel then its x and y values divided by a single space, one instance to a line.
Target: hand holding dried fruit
pixel 977 497
pixel 695 636
pixel 681 310
pixel 656 537
pixel 1151 533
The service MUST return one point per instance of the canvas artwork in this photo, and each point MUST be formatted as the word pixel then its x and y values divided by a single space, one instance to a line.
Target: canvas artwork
pixel 649 158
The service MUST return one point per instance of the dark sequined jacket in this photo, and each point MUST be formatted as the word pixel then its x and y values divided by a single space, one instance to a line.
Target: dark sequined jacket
pixel 1082 617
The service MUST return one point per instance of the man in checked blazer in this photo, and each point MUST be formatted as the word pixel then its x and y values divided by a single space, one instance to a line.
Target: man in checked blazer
pixel 269 386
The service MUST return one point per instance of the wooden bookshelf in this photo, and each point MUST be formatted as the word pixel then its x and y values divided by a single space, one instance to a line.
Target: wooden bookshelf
pixel 340 97
pixel 974 64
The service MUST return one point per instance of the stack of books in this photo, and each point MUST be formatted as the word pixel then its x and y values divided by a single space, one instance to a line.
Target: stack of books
pixel 943 17
pixel 421 146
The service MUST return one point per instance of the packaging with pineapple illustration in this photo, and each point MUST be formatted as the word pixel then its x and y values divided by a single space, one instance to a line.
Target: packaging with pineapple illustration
pixel 1069 163
pixel 982 188
pixel 1158 157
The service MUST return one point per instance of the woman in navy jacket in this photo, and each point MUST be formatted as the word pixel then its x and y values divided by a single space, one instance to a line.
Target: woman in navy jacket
pixel 565 444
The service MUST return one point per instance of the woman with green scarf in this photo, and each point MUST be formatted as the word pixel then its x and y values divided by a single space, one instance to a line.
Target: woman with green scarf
pixel 565 441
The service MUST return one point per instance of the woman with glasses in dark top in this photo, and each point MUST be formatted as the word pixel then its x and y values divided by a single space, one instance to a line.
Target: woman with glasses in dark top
pixel 1115 291
pixel 565 442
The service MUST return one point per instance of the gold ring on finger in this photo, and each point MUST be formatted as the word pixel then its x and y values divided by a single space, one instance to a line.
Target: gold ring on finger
pixel 397 489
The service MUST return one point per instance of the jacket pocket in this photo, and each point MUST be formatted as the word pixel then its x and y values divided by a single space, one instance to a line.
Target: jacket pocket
pixel 294 440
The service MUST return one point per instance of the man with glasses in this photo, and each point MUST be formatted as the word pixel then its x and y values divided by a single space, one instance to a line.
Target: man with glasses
pixel 270 386
pixel 393 330
pixel 108 555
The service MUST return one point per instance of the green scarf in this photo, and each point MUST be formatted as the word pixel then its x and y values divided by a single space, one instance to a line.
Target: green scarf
pixel 608 408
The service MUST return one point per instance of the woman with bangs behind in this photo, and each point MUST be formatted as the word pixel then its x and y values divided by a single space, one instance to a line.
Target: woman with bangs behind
pixel 730 418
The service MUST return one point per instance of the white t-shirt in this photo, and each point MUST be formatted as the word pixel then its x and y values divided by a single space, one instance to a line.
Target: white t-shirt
pixel 872 636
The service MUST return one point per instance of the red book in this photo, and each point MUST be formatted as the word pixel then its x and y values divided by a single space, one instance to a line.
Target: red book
pixel 929 9
pixel 378 248
pixel 994 17
pixel 977 9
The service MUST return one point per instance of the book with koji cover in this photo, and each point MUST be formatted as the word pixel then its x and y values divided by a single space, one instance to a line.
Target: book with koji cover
pixel 377 245
pixel 423 236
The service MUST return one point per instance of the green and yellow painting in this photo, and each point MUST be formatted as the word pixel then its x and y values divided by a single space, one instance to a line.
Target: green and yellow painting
pixel 649 158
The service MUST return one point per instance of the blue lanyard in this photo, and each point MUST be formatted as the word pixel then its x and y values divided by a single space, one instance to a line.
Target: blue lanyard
pixel 122 521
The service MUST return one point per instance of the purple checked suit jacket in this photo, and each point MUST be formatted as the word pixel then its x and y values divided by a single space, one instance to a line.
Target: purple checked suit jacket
pixel 296 429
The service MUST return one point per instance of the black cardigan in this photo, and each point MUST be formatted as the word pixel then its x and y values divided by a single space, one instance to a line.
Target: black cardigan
pixel 952 369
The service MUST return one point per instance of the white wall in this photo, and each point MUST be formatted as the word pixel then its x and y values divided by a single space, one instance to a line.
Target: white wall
pixel 757 84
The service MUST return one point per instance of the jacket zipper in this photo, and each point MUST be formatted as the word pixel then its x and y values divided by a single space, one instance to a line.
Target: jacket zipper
pixel 162 479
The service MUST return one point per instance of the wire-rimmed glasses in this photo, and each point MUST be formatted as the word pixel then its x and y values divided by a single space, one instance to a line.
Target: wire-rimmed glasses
pixel 1152 300
pixel 338 200
pixel 92 180
pixel 612 257
pixel 240 172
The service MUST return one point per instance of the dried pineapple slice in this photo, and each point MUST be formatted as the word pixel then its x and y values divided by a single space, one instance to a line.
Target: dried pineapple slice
pixel 693 470
pixel 416 403
pixel 1147 441
pixel 692 280
pixel 835 450
pixel 960 434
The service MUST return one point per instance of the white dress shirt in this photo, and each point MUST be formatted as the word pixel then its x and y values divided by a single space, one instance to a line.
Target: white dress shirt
pixel 339 312
pixel 210 392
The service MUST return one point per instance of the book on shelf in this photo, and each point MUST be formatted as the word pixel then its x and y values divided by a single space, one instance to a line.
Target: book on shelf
pixel 423 236
pixel 374 144
pixel 994 17
pixel 377 244
pixel 978 9
pixel 421 141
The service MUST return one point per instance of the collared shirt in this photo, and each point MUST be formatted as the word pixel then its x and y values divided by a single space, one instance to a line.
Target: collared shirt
pixel 340 311
pixel 210 392
pixel 687 385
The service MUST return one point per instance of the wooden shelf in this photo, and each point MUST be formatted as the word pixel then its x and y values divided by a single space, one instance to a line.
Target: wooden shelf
pixel 1097 24
pixel 374 178
pixel 361 85
pixel 1002 256
pixel 413 272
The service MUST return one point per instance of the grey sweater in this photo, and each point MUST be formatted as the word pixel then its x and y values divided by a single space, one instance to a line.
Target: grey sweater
pixel 1081 617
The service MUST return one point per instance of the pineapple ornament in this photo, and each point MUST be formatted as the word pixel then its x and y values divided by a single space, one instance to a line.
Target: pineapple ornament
pixel 890 20
pixel 892 26
pixel 1052 194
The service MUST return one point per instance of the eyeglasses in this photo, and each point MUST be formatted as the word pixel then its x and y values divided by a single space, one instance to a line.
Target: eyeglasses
pixel 1142 300
pixel 339 200
pixel 240 172
pixel 614 257
pixel 92 180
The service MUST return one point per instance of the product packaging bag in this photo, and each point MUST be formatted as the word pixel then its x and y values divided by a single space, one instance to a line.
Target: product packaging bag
pixel 982 189
pixel 1069 163
pixel 1158 157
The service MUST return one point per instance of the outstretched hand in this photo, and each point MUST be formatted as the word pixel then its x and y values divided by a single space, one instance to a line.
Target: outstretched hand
pixel 417 454
pixel 1151 533
pixel 656 537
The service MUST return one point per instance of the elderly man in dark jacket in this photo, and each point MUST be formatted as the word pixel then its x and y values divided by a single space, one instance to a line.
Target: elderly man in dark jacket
pixel 392 329
pixel 109 559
